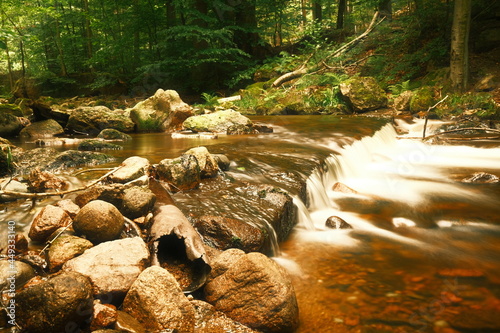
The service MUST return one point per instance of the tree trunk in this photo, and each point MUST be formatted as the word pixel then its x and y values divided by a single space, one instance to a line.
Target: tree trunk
pixel 303 12
pixel 385 9
pixel 88 30
pixel 459 57
pixel 341 13
pixel 170 7
pixel 317 10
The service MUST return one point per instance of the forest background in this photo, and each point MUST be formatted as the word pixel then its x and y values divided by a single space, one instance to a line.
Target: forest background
pixel 213 48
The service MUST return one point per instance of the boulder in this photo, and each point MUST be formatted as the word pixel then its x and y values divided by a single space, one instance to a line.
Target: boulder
pixel 99 221
pixel 481 178
pixel 10 125
pixel 422 100
pixel 44 111
pixel 402 102
pixel 224 233
pixel 94 144
pixel 112 134
pixel 218 121
pixel 335 222
pixel 13 275
pixel 112 267
pixel 210 320
pixel 92 120
pixel 65 248
pixel 75 158
pixel 158 302
pixel 131 168
pixel 164 111
pixel 12 109
pixel 12 186
pixel 137 202
pixel 42 181
pixel 222 161
pixel 284 211
pixel 363 94
pixel 253 290
pixel 56 305
pixel 48 220
pixel 182 173
pixel 69 207
pixel 41 129
pixel 112 193
pixel 207 163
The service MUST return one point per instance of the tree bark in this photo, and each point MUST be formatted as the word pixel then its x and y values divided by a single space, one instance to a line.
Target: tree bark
pixel 317 10
pixel 385 9
pixel 459 56
pixel 341 13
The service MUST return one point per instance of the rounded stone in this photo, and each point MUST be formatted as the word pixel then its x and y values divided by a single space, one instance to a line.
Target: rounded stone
pixel 99 221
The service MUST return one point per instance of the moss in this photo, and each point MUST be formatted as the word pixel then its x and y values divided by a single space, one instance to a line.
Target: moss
pixel 422 99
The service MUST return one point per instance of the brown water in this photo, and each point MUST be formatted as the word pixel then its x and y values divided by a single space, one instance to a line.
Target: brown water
pixel 389 273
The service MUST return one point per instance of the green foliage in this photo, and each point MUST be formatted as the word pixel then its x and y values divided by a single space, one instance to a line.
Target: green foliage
pixel 210 100
pixel 398 88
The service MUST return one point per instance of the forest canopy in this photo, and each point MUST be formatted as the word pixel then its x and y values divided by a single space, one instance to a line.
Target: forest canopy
pixel 136 46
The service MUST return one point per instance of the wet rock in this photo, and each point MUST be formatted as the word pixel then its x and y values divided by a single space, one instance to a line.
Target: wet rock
pixel 10 125
pixel 363 94
pixel 422 100
pixel 65 248
pixel 253 290
pixel 157 301
pixel 11 109
pixel 112 266
pixel 112 193
pixel 132 168
pixel 92 120
pixel 48 220
pixel 112 134
pixel 69 207
pixel 335 222
pixel 164 111
pixel 262 128
pixel 224 233
pixel 14 275
pixel 222 161
pixel 402 102
pixel 41 129
pixel 137 201
pixel 343 188
pixel 21 243
pixel 54 305
pixel 75 158
pixel 483 319
pixel 12 186
pixel 284 211
pixel 241 129
pixel 208 165
pixel 36 261
pixel 44 111
pixel 210 320
pixel 182 173
pixel 127 323
pixel 99 221
pixel 105 315
pixel 218 121
pixel 93 144
pixel 482 178
pixel 44 181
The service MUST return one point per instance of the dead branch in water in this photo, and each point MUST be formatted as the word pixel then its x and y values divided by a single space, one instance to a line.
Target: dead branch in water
pixel 26 195
pixel 464 129
pixel 427 115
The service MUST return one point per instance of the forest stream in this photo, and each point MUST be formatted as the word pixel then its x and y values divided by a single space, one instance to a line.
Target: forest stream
pixel 422 253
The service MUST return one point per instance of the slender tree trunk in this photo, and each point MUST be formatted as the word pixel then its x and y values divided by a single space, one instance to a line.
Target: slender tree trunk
pixel 340 13
pixel 170 13
pixel 317 10
pixel 88 30
pixel 59 46
pixel 9 66
pixel 459 57
pixel 304 12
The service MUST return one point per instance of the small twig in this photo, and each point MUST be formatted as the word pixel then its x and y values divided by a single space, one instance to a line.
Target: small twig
pixel 91 170
pixel 427 115
pixel 49 243
pixel 61 193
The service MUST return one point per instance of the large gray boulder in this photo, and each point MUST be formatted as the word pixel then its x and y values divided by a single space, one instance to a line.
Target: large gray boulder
pixel 158 302
pixel 112 266
pixel 219 121
pixel 253 290
pixel 363 94
pixel 164 111
pixel 52 306
pixel 92 120
pixel 41 129
pixel 10 125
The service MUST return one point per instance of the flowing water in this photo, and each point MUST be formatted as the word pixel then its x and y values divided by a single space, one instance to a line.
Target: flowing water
pixel 423 253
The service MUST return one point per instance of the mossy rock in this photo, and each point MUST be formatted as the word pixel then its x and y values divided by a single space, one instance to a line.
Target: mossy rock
pixel 253 90
pixel 422 99
pixel 10 125
pixel 218 121
pixel 93 144
pixel 112 134
pixel 11 109
pixel 363 94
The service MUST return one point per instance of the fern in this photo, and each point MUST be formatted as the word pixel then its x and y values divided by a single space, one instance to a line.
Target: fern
pixel 398 88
